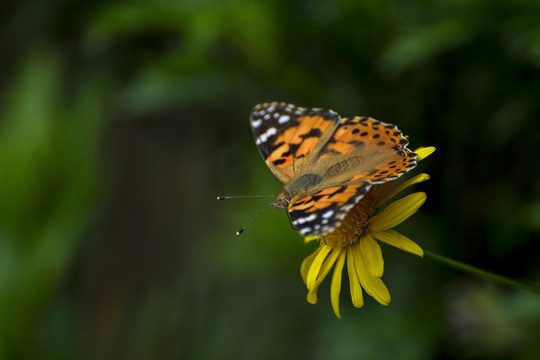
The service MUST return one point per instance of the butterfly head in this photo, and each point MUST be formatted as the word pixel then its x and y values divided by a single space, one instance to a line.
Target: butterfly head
pixel 282 200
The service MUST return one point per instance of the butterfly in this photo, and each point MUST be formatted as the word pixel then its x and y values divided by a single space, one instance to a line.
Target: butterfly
pixel 326 163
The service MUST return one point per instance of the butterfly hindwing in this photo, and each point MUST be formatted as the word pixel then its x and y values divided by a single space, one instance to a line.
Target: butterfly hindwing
pixel 287 135
pixel 323 212
pixel 367 150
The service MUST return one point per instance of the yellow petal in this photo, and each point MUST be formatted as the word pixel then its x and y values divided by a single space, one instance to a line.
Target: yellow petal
pixel 306 264
pixel 372 254
pixel 308 239
pixel 315 267
pixel 397 212
pixel 335 287
pixel 327 266
pixel 373 285
pixel 354 282
pixel 312 296
pixel 424 152
pixel 415 180
pixel 395 239
pixel 325 269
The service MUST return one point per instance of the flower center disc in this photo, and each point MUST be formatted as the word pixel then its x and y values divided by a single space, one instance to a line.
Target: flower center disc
pixel 353 226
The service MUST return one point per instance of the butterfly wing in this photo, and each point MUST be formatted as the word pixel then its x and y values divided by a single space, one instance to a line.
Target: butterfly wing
pixel 288 136
pixel 362 152
pixel 323 212
pixel 363 149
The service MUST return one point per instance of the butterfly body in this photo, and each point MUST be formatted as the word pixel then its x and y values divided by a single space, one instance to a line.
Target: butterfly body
pixel 326 163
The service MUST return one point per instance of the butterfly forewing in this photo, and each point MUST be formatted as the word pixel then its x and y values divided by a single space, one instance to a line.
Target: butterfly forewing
pixel 287 136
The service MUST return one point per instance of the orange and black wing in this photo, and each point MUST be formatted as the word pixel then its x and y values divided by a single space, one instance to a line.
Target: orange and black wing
pixel 287 135
pixel 366 150
pixel 323 212
pixel 362 152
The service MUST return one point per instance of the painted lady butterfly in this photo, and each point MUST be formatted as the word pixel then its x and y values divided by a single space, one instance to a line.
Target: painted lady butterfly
pixel 327 164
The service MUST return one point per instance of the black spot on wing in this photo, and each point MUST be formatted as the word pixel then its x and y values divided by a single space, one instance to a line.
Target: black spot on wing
pixel 312 133
pixel 268 120
pixel 278 162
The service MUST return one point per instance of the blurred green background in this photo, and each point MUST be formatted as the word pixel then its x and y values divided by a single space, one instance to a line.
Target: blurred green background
pixel 120 122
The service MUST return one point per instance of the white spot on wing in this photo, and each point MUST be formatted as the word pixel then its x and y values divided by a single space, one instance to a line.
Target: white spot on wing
pixel 284 119
pixel 256 123
pixel 306 219
pixel 264 136
pixel 327 214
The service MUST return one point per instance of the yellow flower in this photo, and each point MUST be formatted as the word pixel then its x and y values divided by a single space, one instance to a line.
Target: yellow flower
pixel 354 243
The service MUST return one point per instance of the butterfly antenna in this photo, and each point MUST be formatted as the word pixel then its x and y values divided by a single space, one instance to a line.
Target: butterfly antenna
pixel 243 196
pixel 252 220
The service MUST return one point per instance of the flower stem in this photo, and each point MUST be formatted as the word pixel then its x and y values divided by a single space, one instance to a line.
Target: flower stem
pixel 482 273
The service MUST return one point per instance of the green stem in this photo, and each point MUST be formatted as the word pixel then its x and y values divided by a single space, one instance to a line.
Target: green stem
pixel 482 273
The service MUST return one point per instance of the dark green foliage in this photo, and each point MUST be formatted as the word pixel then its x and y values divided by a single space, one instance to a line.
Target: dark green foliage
pixel 121 121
